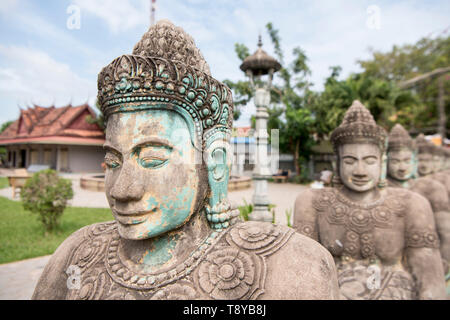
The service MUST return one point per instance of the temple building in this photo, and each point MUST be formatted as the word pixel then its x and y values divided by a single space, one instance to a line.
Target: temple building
pixel 60 138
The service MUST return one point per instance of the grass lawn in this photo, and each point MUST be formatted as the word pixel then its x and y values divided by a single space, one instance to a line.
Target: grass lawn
pixel 4 182
pixel 22 235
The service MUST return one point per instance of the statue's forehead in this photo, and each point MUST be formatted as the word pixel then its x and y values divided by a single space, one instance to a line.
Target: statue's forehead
pixel 359 148
pixel 401 152
pixel 131 127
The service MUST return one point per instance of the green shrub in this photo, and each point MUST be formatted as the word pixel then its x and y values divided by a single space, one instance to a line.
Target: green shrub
pixel 46 194
pixel 245 210
pixel 288 214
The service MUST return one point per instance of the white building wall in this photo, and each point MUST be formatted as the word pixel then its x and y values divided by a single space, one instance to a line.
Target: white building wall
pixel 86 158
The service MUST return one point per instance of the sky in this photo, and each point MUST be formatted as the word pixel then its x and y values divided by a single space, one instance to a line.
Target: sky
pixel 52 51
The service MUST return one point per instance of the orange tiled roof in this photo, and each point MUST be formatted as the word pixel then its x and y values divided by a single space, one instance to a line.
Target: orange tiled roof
pixel 66 121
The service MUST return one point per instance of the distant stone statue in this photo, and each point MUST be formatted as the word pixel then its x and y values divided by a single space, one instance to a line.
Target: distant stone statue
pixel 402 163
pixel 430 162
pixel 383 240
pixel 174 235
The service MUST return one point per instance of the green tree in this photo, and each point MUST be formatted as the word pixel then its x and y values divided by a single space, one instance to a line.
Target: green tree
pixel 386 101
pixel 46 194
pixel 288 111
pixel 408 61
pixel 99 120
pixel 3 149
pixel 5 125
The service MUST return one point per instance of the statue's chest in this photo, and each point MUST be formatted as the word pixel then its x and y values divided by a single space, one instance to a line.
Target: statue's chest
pixel 230 266
pixel 360 232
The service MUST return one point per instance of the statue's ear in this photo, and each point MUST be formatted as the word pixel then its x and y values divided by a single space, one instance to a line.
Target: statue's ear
pixel 218 162
pixel 383 172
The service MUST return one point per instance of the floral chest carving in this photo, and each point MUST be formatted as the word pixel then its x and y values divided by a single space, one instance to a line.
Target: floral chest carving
pixel 229 265
pixel 351 230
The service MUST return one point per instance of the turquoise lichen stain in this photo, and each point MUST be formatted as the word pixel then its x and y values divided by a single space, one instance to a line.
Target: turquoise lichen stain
pixel 160 251
pixel 174 211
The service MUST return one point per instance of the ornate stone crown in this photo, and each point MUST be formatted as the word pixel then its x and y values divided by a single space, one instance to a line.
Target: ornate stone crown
pixel 423 145
pixel 399 138
pixel 358 126
pixel 166 68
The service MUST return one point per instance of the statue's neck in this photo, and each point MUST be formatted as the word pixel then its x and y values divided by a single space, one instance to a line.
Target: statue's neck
pixel 399 183
pixel 365 197
pixel 168 250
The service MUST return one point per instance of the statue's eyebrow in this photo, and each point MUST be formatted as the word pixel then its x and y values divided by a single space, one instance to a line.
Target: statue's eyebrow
pixel 154 141
pixel 371 156
pixel 109 147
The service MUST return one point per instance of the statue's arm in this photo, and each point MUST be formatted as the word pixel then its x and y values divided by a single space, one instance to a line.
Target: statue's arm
pixel 52 284
pixel 305 220
pixel 422 252
pixel 302 270
pixel 443 227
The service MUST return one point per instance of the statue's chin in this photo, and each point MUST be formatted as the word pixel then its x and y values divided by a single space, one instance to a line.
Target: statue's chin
pixel 401 178
pixel 139 232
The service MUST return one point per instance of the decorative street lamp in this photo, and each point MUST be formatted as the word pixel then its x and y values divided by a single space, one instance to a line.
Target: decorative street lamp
pixel 255 66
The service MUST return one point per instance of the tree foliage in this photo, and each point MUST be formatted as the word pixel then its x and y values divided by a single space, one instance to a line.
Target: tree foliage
pixel 46 194
pixel 408 61
pixel 302 115
pixel 385 100
pixel 5 125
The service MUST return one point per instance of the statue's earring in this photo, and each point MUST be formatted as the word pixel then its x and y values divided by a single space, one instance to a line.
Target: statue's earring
pixel 219 212
pixel 383 182
pixel 336 181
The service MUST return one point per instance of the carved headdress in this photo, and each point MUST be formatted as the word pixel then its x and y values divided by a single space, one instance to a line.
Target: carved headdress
pixel 399 138
pixel 167 70
pixel 423 145
pixel 358 126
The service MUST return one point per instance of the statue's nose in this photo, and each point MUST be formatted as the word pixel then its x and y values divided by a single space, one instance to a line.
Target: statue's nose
pixel 128 186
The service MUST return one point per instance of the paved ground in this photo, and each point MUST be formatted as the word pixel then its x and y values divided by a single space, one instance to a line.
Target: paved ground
pixel 18 279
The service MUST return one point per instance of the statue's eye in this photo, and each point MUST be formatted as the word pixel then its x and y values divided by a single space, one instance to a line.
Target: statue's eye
pixel 371 160
pixel 151 162
pixel 152 156
pixel 112 162
pixel 349 161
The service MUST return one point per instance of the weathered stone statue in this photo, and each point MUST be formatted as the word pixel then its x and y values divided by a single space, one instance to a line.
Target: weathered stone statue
pixel 401 168
pixel 383 239
pixel 167 156
pixel 429 163
pixel 439 168
pixel 402 158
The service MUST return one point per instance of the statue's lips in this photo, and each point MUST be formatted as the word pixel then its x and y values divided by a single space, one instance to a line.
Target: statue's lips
pixel 132 218
pixel 359 182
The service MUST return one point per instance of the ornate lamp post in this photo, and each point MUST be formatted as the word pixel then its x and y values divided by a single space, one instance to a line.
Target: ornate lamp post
pixel 255 66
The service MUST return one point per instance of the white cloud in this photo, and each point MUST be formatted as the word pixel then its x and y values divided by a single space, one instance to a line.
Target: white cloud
pixel 120 15
pixel 32 76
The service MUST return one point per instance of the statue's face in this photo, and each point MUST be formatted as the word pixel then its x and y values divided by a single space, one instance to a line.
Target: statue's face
pixel 360 166
pixel 438 163
pixel 426 164
pixel 401 164
pixel 151 179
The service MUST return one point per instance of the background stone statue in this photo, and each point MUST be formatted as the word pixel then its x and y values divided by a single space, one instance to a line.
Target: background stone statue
pixel 168 160
pixel 402 163
pixel 428 169
pixel 383 239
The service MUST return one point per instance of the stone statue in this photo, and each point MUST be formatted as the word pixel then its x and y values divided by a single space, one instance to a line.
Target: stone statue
pixel 174 235
pixel 430 162
pixel 383 239
pixel 401 168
